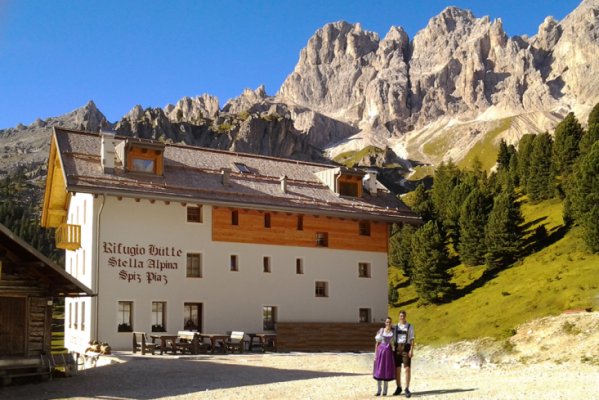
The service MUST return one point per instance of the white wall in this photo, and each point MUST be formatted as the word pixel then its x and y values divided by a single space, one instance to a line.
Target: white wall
pixel 231 300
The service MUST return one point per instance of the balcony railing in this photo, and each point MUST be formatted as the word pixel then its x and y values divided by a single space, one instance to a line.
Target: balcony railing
pixel 68 237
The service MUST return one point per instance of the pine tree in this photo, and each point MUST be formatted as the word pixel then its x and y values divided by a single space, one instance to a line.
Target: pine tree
pixel 400 254
pixel 583 196
pixel 525 146
pixel 594 116
pixel 503 156
pixel 422 203
pixel 539 185
pixel 589 138
pixel 503 234
pixel 565 150
pixel 473 219
pixel 431 261
pixel 447 176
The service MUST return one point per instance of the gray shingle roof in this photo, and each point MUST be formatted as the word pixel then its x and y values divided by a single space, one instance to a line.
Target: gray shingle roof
pixel 193 174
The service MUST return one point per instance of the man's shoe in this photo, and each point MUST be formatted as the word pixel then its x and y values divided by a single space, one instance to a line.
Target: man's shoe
pixel 397 391
pixel 408 393
pixel 377 394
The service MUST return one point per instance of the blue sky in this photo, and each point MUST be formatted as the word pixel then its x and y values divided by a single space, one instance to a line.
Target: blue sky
pixel 57 55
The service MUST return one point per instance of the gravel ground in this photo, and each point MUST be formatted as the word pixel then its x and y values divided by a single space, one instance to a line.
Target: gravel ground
pixel 308 376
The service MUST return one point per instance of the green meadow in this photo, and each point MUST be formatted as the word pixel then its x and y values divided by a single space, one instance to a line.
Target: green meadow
pixel 560 276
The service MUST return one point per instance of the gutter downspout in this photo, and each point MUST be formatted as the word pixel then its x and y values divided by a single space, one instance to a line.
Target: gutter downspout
pixel 97 285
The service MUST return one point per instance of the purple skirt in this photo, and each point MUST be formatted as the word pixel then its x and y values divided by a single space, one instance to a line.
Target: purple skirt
pixel 384 364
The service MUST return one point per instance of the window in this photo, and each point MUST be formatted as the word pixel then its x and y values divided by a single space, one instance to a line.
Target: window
pixel 300 222
pixel 234 264
pixel 194 214
pixel 76 324
pixel 322 239
pixel 158 316
pixel 364 270
pixel 70 322
pixel 234 217
pixel 365 315
pixel 322 289
pixel 364 228
pixel 124 316
pixel 192 316
pixel 241 167
pixel 348 189
pixel 267 220
pixel 269 318
pixel 194 265
pixel 82 315
pixel 299 266
pixel 266 264
pixel 142 165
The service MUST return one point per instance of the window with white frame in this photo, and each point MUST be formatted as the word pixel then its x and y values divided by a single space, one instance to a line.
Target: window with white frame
pixel 365 315
pixel 234 263
pixel 321 289
pixel 299 266
pixel 158 316
pixel 194 214
pixel 364 270
pixel 125 316
pixel 194 265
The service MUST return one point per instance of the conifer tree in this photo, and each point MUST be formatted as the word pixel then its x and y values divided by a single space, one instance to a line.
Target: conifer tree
pixel 503 156
pixel 431 261
pixel 503 234
pixel 589 138
pixel 447 176
pixel 422 203
pixel 400 254
pixel 583 196
pixel 539 184
pixel 565 150
pixel 594 116
pixel 523 159
pixel 473 219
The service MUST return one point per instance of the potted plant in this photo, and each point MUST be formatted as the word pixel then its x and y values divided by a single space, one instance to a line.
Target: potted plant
pixel 158 328
pixel 124 327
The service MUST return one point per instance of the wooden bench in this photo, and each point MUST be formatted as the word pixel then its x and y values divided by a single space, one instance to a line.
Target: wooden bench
pixel 24 367
pixel 140 342
pixel 188 341
pixel 235 342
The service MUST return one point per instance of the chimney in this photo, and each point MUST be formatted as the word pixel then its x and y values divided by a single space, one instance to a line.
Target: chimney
pixel 225 174
pixel 369 182
pixel 107 151
pixel 283 181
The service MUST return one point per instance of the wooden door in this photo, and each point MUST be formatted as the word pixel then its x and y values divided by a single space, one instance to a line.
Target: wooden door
pixel 12 326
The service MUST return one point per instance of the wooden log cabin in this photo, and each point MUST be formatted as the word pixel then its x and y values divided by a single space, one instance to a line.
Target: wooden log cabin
pixel 29 285
pixel 173 237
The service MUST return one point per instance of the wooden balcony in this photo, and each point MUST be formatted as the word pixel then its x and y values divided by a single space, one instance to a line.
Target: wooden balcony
pixel 68 237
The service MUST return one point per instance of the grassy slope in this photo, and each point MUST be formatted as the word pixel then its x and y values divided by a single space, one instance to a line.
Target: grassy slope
pixel 561 276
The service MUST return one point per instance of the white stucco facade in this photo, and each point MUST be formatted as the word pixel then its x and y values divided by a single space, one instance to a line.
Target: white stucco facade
pixel 135 250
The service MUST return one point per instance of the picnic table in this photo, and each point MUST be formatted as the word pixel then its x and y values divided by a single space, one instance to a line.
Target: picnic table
pixel 214 339
pixel 165 340
pixel 264 341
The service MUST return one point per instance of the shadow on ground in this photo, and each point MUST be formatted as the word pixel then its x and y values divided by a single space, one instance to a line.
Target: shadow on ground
pixel 153 377
pixel 439 392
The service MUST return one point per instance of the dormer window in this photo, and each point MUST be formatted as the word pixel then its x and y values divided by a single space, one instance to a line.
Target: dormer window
pixel 144 157
pixel 348 189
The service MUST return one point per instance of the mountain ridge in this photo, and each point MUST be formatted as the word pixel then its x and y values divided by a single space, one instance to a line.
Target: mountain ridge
pixel 459 78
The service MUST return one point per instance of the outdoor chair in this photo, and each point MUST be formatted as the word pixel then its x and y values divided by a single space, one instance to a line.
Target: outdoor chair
pixel 188 342
pixel 140 342
pixel 235 342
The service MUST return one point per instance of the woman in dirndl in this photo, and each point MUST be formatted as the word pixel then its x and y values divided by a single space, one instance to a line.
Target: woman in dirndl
pixel 384 362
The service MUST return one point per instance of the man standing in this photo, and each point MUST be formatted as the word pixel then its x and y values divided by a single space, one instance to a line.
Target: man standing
pixel 404 350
